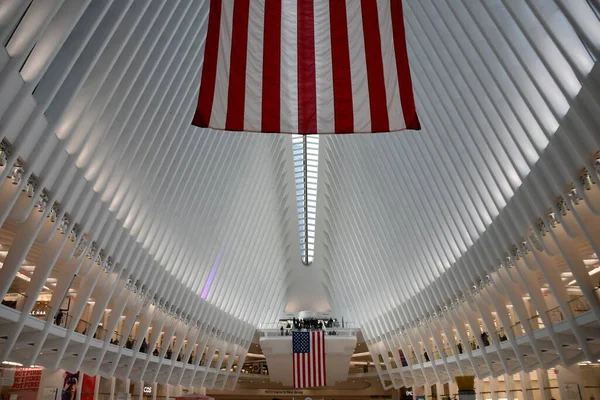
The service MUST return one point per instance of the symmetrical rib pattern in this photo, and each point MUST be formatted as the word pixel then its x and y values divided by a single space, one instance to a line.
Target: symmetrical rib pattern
pixel 96 103
pixel 184 236
pixel 415 221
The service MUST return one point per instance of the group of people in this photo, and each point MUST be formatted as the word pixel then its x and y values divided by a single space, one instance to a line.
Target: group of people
pixel 311 324
pixel 144 349
pixel 485 339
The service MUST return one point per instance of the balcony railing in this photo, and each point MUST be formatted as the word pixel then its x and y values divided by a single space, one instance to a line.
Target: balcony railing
pixel 63 318
pixel 517 328
pixel 345 332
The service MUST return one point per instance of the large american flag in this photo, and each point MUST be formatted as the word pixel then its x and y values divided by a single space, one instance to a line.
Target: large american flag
pixel 309 66
pixel 309 359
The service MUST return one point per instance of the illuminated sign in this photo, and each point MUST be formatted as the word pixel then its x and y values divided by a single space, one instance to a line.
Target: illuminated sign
pixel 147 389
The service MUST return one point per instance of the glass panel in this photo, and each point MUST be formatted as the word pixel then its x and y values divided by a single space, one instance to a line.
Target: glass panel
pixel 305 151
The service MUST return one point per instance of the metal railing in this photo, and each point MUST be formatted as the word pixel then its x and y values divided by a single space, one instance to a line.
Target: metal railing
pixel 344 332
pixel 535 323
pixel 517 328
pixel 578 305
pixel 501 333
pixel 555 315
pixel 62 318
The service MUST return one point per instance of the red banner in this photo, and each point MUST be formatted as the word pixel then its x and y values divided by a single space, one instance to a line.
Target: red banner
pixel 27 379
pixel 87 388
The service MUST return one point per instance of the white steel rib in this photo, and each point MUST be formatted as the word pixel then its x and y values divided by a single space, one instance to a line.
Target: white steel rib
pixel 190 237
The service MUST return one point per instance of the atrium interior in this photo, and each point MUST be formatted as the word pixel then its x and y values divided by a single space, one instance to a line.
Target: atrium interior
pixel 144 257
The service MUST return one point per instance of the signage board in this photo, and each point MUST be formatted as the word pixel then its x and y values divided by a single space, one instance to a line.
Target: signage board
pixel 27 379
pixel 284 392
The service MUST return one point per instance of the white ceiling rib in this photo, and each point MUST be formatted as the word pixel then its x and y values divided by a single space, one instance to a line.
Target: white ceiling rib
pixel 97 96
pixel 492 81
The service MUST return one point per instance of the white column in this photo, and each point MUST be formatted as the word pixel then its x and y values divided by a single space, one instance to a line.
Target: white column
pixel 453 388
pixel 526 386
pixel 509 386
pixel 494 387
pixel 543 384
pixel 569 382
pixel 138 391
pixel 428 392
pixel 112 388
pixel 479 387
pixel 79 386
pixel 97 387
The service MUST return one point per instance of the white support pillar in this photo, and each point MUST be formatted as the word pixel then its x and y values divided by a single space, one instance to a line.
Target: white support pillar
pixel 570 384
pixel 428 394
pixel 526 385
pixel 494 387
pixel 138 391
pixel 509 386
pixel 479 388
pixel 97 387
pixel 453 388
pixel 112 395
pixel 79 386
pixel 543 384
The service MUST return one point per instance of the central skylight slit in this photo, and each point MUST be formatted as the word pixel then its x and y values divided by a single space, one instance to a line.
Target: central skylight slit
pixel 306 170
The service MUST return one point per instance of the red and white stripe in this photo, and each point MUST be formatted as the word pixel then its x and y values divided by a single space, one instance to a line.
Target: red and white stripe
pixel 309 368
pixel 311 66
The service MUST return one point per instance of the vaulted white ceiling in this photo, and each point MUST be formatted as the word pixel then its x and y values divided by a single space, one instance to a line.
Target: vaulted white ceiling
pixel 97 97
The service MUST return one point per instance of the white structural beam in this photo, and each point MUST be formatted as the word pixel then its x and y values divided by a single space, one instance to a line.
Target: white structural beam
pixel 129 238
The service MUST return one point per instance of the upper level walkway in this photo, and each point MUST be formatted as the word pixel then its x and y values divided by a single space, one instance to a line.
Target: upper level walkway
pixel 71 347
pixel 519 346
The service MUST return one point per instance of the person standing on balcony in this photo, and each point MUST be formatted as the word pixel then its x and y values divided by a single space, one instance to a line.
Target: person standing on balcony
pixel 58 318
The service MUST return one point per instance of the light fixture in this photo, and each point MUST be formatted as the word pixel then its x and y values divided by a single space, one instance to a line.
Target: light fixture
pixel 29 189
pixel 42 203
pixel 17 174
pixel 52 215
pixel 3 158
pixel 574 196
pixel 15 364
pixel 64 225
pixel 586 179
pixel 542 227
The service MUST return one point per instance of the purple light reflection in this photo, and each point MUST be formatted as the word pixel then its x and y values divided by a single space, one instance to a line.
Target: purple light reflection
pixel 212 274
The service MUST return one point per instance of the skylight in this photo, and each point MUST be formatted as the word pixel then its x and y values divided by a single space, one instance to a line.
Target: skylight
pixel 306 169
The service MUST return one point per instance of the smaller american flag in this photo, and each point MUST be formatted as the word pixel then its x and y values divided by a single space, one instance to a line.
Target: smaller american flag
pixel 309 359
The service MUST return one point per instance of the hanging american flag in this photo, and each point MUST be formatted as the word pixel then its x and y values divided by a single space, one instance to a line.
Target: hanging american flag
pixel 310 66
pixel 309 359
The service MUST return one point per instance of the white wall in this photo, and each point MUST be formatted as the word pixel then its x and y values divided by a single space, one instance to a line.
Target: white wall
pixel 53 379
